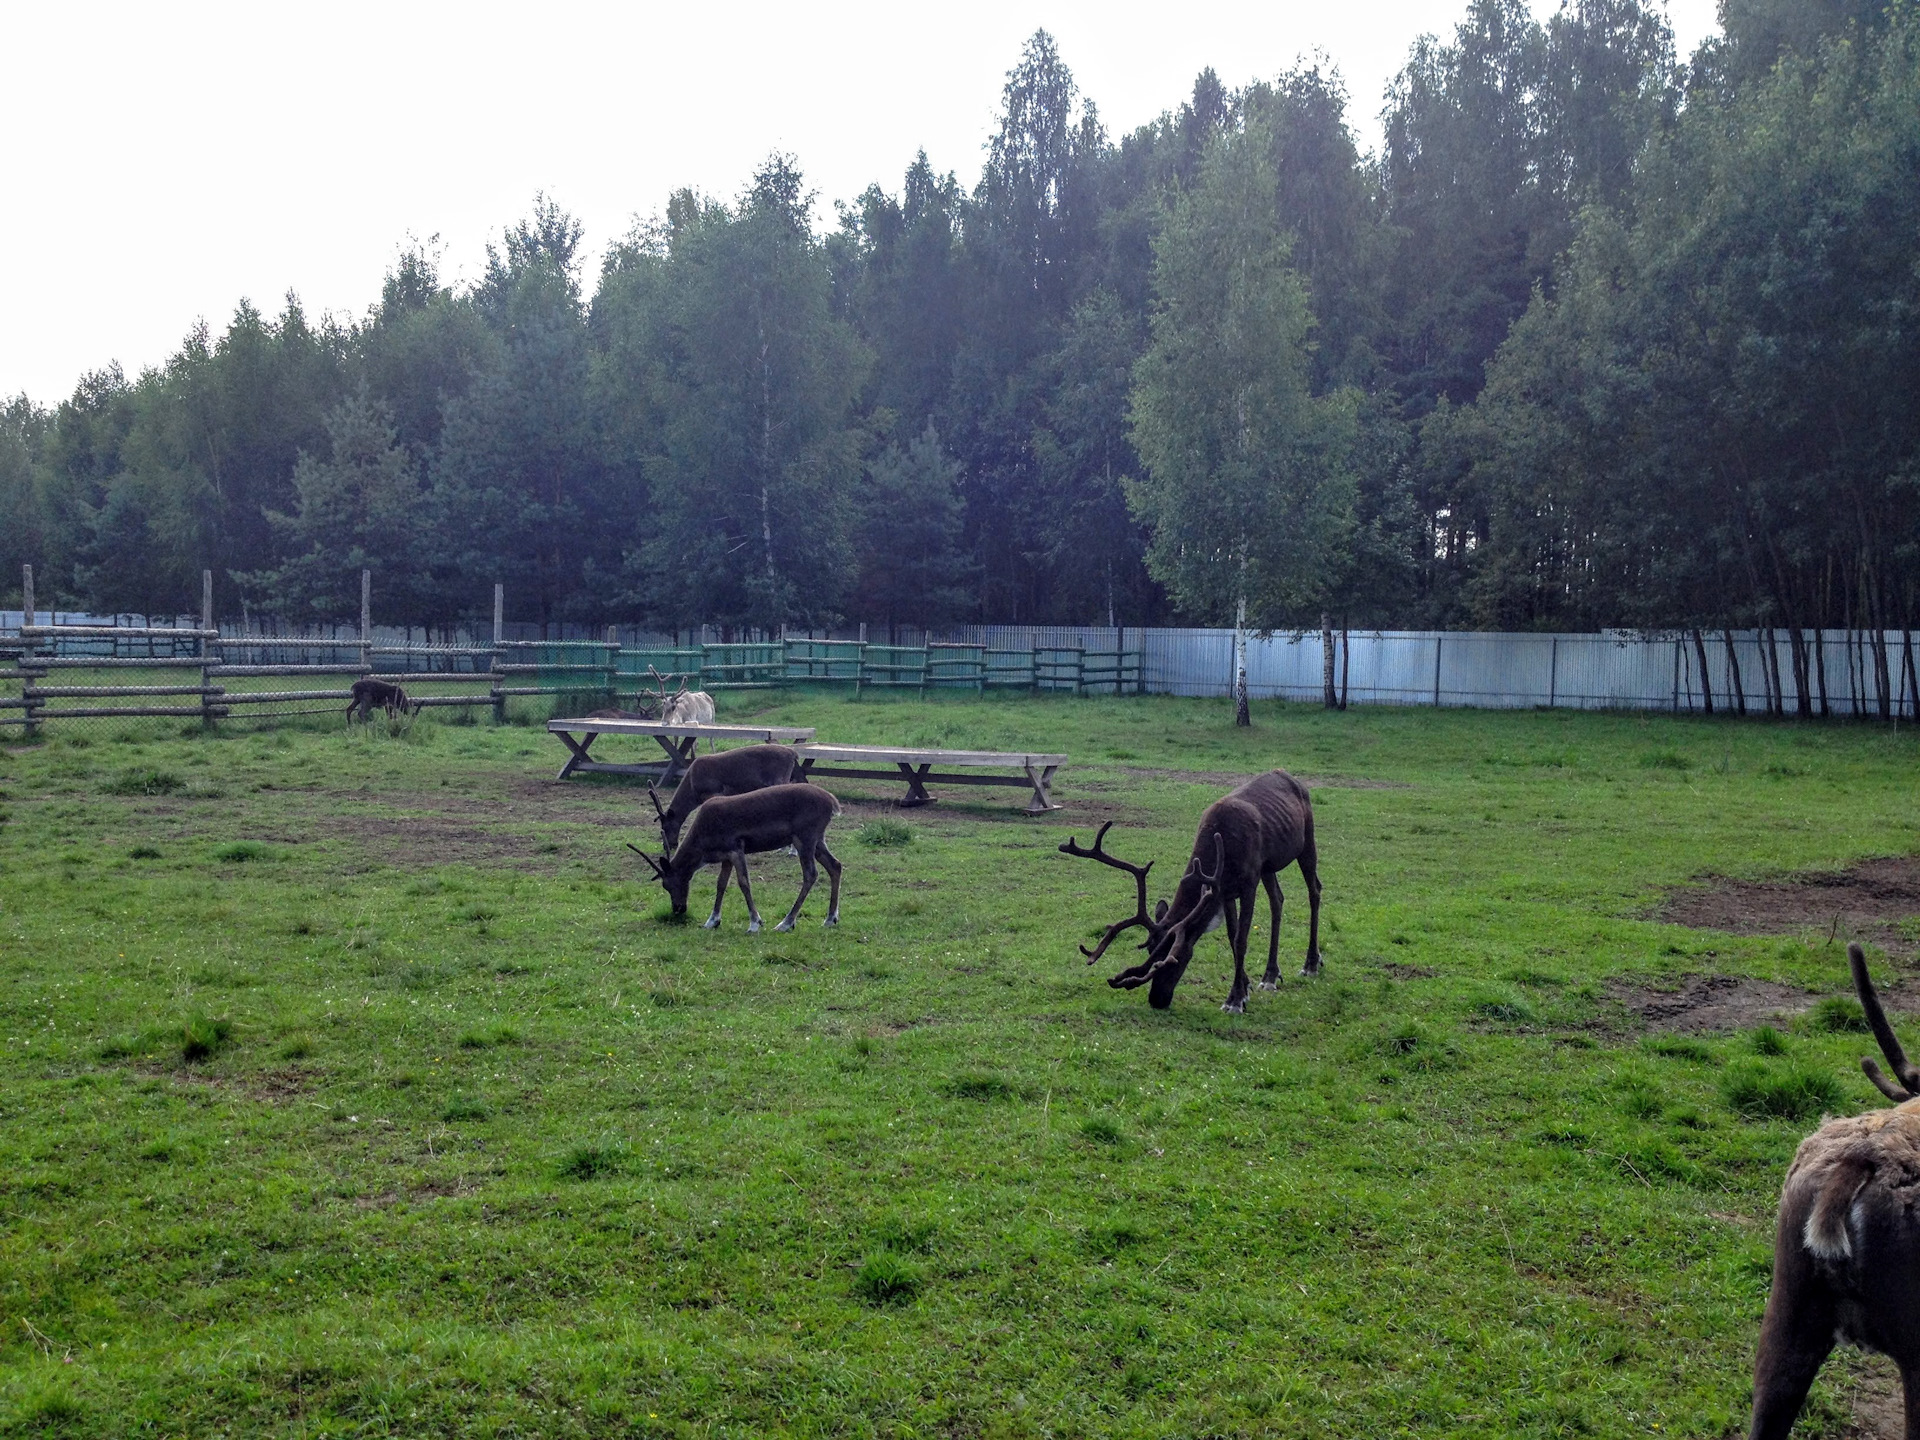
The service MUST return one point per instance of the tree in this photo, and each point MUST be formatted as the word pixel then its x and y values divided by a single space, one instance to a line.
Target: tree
pixel 909 532
pixel 1246 486
pixel 360 508
pixel 718 328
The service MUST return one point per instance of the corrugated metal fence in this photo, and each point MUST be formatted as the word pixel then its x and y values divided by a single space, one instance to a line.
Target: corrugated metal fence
pixel 1622 670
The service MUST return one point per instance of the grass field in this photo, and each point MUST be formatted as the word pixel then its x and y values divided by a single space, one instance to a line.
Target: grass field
pixel 355 1085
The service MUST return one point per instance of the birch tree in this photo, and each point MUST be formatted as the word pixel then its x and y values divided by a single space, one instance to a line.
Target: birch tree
pixel 1247 486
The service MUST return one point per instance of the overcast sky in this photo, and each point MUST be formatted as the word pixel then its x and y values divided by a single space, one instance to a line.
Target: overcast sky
pixel 164 161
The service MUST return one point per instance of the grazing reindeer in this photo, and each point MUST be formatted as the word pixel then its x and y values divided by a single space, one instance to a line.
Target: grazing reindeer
pixel 728 828
pixel 729 772
pixel 370 695
pixel 688 707
pixel 1252 834
pixel 1846 1252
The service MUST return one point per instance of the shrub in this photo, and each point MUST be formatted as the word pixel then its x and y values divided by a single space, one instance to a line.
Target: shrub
pixel 886 1278
pixel 884 833
pixel 1793 1093
pixel 144 782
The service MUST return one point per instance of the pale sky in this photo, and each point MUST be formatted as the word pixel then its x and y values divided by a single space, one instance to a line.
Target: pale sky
pixel 164 161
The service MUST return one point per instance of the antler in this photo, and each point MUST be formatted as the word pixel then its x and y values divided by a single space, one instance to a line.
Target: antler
pixel 1139 873
pixel 654 795
pixel 1883 1032
pixel 1170 939
pixel 652 864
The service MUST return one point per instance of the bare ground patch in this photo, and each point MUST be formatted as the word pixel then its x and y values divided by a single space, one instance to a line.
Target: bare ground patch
pixel 1868 901
pixel 1711 1002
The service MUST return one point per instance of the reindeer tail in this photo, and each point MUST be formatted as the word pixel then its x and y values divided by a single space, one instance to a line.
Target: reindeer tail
pixel 1828 1232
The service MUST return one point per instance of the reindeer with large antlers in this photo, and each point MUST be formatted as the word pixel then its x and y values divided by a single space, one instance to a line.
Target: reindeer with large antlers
pixel 1846 1248
pixel 1250 836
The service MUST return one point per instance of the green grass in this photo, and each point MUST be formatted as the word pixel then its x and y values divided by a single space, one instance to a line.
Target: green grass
pixel 473 1143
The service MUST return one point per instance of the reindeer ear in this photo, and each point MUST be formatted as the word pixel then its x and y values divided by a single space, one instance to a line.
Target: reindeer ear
pixel 1159 912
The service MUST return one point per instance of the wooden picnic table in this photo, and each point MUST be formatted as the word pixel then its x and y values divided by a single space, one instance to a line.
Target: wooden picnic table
pixel 915 766
pixel 677 740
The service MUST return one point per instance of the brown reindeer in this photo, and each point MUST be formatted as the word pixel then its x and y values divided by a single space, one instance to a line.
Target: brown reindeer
pixel 728 772
pixel 370 695
pixel 1250 835
pixel 1846 1248
pixel 728 828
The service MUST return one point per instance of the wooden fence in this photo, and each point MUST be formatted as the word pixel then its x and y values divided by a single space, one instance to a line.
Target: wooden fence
pixel 51 671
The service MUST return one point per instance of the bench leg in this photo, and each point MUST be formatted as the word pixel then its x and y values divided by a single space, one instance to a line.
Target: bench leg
pixel 679 756
pixel 579 749
pixel 1042 801
pixel 916 785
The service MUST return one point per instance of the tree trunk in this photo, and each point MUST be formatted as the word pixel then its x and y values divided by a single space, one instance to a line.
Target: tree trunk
pixel 1242 713
pixel 1328 695
pixel 1733 673
pixel 1802 686
pixel 1346 664
pixel 1706 682
pixel 1776 697
pixel 1882 676
pixel 1913 676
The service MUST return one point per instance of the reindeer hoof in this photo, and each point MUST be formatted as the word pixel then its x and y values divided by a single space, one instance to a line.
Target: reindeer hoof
pixel 712 922
pixel 753 927
pixel 1269 985
pixel 831 921
pixel 1310 969
pixel 1235 1007
pixel 783 927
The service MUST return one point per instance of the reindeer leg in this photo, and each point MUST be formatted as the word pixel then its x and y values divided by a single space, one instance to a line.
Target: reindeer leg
pixel 1795 1337
pixel 1239 923
pixel 833 874
pixel 1271 980
pixel 1310 872
pixel 808 874
pixel 719 891
pixel 753 915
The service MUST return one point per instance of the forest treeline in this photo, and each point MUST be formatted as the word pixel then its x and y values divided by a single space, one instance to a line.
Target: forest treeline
pixel 1600 336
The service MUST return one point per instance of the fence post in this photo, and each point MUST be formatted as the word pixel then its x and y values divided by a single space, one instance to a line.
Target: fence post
pixel 1553 673
pixel 366 621
pixel 207 659
pixel 493 661
pixel 613 666
pixel 28 727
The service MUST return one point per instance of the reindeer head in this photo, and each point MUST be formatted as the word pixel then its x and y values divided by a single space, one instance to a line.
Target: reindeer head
pixel 1173 927
pixel 676 883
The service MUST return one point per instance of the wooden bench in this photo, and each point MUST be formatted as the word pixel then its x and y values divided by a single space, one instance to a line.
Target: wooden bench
pixel 677 740
pixel 854 762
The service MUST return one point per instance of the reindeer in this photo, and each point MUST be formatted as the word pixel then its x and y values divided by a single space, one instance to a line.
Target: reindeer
pixel 1251 835
pixel 729 772
pixel 728 828
pixel 687 707
pixel 1846 1248
pixel 370 695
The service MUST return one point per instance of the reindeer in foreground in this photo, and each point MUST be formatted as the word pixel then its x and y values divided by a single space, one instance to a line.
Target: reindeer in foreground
pixel 1846 1252
pixel 728 772
pixel 728 828
pixel 370 695
pixel 1250 835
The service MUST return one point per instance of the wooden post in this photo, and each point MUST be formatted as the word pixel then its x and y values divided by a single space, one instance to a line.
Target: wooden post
pixel 366 621
pixel 27 617
pixel 499 634
pixel 207 657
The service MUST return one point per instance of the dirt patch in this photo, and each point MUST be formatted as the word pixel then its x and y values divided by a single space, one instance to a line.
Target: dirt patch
pixel 1408 972
pixel 1233 781
pixel 1867 901
pixel 1711 1002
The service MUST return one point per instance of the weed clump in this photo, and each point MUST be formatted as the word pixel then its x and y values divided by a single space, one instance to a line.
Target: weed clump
pixel 143 852
pixel 1761 1092
pixel 1769 1041
pixel 244 852
pixel 1676 1048
pixel 468 1107
pixel 144 782
pixel 884 834
pixel 886 1278
pixel 1665 760
pixel 202 1036
pixel 1506 1009
pixel 1100 1129
pixel 1838 1014
pixel 488 1037
pixel 979 1085
pixel 593 1162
